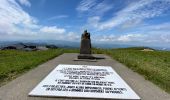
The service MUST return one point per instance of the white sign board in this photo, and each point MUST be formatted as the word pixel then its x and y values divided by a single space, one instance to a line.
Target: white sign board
pixel 84 81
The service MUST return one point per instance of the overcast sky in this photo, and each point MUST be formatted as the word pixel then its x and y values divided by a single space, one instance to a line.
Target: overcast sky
pixel 109 21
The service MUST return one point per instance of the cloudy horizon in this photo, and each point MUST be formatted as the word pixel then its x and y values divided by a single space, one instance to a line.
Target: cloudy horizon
pixel 109 21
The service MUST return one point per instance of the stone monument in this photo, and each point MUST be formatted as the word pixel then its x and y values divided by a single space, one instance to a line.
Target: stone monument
pixel 85 47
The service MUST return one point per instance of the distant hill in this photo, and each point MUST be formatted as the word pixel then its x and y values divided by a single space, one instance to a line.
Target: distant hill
pixel 138 48
pixel 61 44
pixel 71 44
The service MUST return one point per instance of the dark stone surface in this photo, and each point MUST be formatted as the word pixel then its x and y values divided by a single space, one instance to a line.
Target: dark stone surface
pixel 85 47
pixel 85 56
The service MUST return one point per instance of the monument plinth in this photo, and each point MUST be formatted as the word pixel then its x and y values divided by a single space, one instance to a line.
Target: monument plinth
pixel 85 47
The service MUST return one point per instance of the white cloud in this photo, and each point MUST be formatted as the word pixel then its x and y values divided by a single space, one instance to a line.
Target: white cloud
pixel 156 33
pixel 25 2
pixel 86 5
pixel 13 16
pixel 67 36
pixel 106 38
pixel 158 36
pixel 15 23
pixel 101 8
pixel 131 24
pixel 166 37
pixel 94 7
pixel 138 10
pixel 93 21
pixel 151 36
pixel 73 36
pixel 130 37
pixel 148 37
pixel 162 26
pixel 52 29
pixel 58 17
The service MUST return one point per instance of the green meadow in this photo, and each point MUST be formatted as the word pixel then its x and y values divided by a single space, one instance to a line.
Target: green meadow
pixel 153 65
pixel 15 62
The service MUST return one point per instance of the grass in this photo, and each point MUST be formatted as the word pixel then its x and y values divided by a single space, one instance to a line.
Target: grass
pixel 14 62
pixel 153 65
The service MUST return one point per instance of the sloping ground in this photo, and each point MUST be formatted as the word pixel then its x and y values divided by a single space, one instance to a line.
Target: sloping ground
pixel 19 88
pixel 153 65
pixel 15 62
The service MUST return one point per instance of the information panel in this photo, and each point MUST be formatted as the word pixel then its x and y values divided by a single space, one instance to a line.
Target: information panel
pixel 84 81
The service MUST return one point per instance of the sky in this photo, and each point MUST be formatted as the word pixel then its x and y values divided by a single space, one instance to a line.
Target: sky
pixel 135 22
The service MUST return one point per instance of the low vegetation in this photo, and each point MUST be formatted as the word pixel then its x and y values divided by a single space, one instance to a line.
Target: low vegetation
pixel 15 62
pixel 153 65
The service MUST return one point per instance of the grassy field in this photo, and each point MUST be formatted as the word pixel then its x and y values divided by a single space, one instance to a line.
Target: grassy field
pixel 14 62
pixel 153 65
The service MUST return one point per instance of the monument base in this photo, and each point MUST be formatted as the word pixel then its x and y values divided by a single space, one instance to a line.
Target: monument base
pixel 85 56
pixel 86 60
